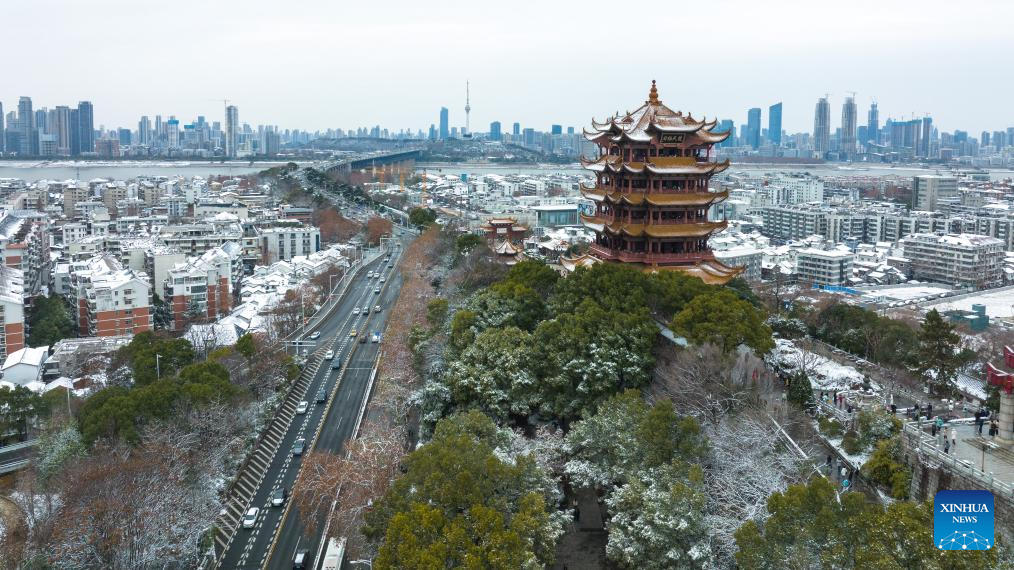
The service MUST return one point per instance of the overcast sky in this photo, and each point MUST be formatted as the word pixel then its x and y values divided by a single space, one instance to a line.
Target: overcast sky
pixel 314 64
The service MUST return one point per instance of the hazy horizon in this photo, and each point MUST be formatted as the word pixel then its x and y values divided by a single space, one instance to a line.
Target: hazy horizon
pixel 322 65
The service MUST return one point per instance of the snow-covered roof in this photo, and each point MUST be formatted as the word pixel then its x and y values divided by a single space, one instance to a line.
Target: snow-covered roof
pixel 27 355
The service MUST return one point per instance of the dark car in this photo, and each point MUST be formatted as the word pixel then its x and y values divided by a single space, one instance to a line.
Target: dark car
pixel 362 339
pixel 278 496
pixel 321 396
pixel 336 364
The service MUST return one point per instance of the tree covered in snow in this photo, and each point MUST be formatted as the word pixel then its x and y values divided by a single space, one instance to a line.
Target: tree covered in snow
pixel 657 521
pixel 747 462
pixel 626 436
pixel 590 354
pixel 811 527
pixel 938 353
pixel 465 501
pixel 647 459
pixel 495 373
pixel 507 303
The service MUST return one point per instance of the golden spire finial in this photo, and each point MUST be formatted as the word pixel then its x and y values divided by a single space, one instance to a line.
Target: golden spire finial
pixel 653 94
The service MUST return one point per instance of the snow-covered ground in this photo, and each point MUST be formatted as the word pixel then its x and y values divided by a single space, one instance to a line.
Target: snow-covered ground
pixel 825 374
pixel 913 293
pixel 999 303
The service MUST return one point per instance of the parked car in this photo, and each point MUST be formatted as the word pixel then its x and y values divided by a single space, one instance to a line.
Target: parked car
pixel 298 447
pixel 329 355
pixel 302 406
pixel 315 335
pixel 278 496
pixel 250 518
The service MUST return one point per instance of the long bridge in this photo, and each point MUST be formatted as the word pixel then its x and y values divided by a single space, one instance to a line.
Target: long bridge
pixel 345 165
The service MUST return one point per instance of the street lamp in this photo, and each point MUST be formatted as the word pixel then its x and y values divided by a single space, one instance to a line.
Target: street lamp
pixel 158 371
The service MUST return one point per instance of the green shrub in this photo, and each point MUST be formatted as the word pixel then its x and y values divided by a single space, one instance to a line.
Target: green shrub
pixel 850 443
pixel 830 427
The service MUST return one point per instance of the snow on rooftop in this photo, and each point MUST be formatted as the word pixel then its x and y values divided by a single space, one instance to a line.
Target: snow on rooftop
pixel 999 303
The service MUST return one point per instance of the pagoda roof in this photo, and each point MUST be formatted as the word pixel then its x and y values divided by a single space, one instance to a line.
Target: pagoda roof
pixel 572 263
pixel 692 229
pixel 655 165
pixel 638 198
pixel 712 272
pixel 651 117
pixel 506 248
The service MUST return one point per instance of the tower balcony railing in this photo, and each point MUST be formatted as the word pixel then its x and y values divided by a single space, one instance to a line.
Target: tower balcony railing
pixel 605 253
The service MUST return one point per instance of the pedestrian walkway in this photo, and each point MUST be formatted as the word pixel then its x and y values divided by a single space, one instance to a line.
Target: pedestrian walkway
pixel 980 452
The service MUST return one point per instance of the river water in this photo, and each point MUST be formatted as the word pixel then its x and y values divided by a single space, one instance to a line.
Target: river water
pixel 63 170
pixel 479 169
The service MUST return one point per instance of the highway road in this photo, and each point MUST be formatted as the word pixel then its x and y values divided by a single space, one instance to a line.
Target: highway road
pixel 333 420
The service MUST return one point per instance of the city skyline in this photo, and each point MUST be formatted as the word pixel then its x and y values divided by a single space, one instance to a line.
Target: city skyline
pixel 425 64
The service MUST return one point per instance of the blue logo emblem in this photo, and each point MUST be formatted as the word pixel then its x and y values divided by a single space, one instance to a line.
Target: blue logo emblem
pixel 963 520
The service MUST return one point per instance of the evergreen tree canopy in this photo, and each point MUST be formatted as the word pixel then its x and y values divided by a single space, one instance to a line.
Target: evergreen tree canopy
pixel 938 353
pixel 461 504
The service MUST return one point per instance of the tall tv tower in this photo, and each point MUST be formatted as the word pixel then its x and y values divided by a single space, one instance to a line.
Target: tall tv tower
pixel 468 108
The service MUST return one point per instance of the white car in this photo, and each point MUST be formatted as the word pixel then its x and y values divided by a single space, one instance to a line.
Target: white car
pixel 315 335
pixel 376 291
pixel 355 311
pixel 382 279
pixel 369 275
pixel 250 518
pixel 329 355
pixel 366 310
pixel 302 406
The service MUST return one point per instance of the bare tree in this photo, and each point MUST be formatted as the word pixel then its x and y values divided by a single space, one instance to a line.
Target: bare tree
pixel 703 381
pixel 345 487
pixel 748 463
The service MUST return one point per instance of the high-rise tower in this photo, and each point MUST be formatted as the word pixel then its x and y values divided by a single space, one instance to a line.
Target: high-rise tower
pixel 651 192
pixel 848 128
pixel 873 125
pixel 775 124
pixel 753 122
pixel 445 130
pixel 86 126
pixel 231 130
pixel 26 124
pixel 468 109
pixel 822 128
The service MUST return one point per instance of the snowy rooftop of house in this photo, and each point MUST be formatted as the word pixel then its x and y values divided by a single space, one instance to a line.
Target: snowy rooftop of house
pixel 27 355
pixel 908 293
pixel 838 253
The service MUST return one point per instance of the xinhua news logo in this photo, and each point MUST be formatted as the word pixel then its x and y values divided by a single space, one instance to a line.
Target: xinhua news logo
pixel 963 520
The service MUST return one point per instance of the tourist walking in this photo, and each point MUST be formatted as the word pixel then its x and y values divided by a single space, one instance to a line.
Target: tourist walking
pixel 947 445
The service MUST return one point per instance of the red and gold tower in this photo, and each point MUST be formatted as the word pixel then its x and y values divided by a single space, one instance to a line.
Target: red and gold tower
pixel 651 193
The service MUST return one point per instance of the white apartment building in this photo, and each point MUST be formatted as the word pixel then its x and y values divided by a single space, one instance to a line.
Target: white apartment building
pixel 282 243
pixel 824 267
pixel 961 260
pixel 930 190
